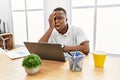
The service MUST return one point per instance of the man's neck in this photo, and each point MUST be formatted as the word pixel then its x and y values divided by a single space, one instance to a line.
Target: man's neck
pixel 64 30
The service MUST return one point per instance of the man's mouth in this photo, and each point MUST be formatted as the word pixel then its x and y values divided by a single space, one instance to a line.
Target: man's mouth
pixel 57 27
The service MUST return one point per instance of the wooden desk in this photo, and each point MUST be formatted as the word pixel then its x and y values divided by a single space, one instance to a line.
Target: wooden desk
pixel 52 70
pixel 9 42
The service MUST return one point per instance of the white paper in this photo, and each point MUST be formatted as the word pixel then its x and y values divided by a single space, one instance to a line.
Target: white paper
pixel 17 54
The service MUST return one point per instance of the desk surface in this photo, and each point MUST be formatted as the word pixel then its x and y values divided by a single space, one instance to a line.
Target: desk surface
pixel 53 70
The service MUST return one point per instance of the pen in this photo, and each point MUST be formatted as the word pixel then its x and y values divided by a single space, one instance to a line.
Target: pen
pixel 69 53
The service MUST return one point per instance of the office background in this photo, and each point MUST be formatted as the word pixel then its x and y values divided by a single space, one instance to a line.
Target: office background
pixel 100 19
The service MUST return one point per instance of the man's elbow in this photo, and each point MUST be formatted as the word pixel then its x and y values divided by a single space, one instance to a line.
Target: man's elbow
pixel 86 51
pixel 85 47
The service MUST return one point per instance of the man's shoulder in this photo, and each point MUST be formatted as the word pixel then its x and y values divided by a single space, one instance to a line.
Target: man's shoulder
pixel 75 28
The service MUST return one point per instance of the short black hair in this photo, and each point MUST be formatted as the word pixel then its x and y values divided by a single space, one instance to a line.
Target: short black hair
pixel 60 9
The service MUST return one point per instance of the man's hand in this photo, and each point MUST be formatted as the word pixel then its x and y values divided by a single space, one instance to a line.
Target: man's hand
pixel 51 20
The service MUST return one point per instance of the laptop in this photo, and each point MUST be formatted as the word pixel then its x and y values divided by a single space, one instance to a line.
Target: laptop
pixel 47 51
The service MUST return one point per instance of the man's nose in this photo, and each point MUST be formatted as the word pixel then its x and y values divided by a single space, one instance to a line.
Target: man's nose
pixel 56 20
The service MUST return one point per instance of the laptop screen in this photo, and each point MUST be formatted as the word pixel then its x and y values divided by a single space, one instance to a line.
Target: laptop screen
pixel 47 51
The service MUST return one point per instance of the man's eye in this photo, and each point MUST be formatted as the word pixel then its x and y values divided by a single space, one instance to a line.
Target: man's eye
pixel 59 18
pixel 55 18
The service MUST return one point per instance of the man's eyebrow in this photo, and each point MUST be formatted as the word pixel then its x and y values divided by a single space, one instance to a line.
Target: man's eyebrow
pixel 60 16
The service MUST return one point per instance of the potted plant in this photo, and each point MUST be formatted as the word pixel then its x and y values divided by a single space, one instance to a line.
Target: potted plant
pixel 31 63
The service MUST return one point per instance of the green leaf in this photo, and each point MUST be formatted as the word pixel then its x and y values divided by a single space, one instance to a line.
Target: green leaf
pixel 31 61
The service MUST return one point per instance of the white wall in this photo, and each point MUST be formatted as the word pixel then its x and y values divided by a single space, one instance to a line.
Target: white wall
pixel 50 5
pixel 5 13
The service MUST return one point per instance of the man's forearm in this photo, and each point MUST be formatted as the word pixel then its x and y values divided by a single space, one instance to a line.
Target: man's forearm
pixel 74 48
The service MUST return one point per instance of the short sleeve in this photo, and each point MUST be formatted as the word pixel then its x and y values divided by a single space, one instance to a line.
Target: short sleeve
pixel 80 36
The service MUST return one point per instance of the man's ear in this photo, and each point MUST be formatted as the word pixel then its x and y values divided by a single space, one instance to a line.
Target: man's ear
pixel 66 19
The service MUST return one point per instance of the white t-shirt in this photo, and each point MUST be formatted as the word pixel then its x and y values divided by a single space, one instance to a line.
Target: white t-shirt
pixel 74 36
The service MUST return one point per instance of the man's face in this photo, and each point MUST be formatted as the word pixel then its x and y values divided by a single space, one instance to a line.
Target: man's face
pixel 60 20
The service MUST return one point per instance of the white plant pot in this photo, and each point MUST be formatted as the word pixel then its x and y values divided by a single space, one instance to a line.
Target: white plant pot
pixel 32 70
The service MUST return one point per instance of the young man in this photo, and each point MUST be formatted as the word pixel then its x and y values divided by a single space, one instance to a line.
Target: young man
pixel 73 38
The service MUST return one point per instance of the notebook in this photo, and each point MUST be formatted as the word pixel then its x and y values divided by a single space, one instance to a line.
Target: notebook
pixel 17 53
pixel 47 51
